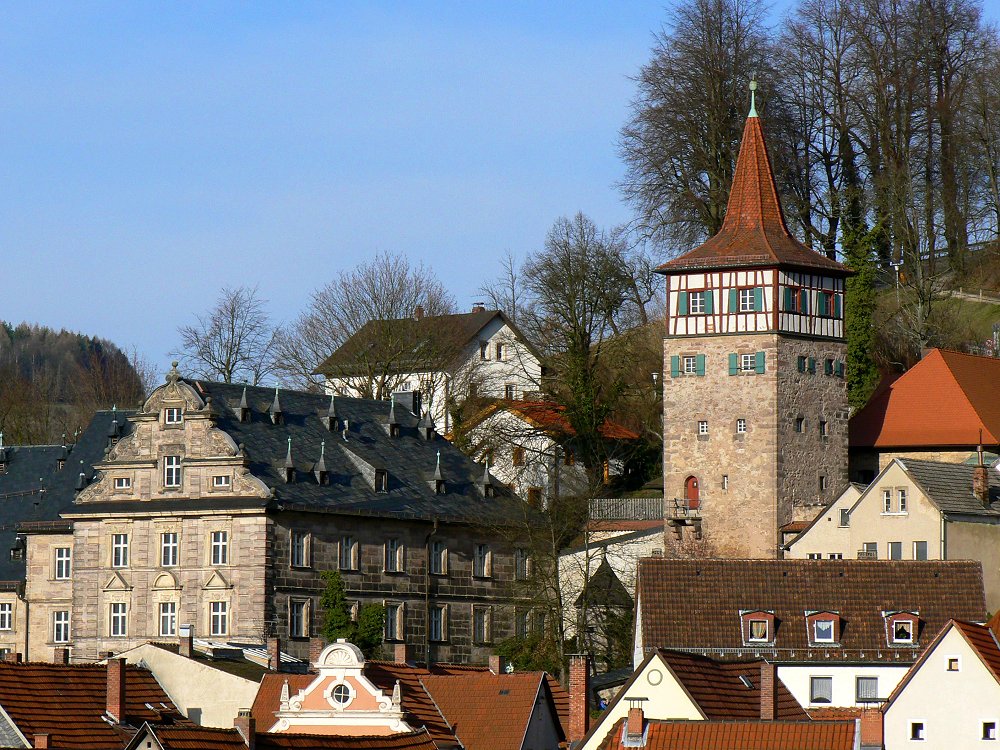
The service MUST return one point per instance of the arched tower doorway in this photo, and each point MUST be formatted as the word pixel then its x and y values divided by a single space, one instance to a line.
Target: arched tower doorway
pixel 691 493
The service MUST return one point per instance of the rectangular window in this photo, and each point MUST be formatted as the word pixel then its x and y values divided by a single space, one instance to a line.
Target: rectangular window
pixel 802 364
pixel 814 556
pixel 535 497
pixel 393 556
pixel 393 622
pixel 517 456
pixel 6 616
pixel 758 630
pixel 702 427
pixel 118 618
pixel 521 564
pixel 741 426
pixel 499 352
pixel 887 501
pixel 747 300
pixel 696 303
pixel 820 689
pixel 439 623
pixel 800 424
pixel 168 618
pixel 60 626
pixel 901 500
pixel 824 431
pixel 119 550
pixel 484 350
pixel 822 483
pixel 298 618
pixel 748 363
pixel 866 689
pixel 725 481
pixel 522 622
pixel 902 631
pixel 381 481
pixel 221 481
pixel 538 623
pixel 953 664
pixel 917 730
pixel 895 550
pixel 823 631
pixel 481 621
pixel 171 471
pixel 123 483
pixel 845 517
pixel 168 549
pixel 172 415
pixel 348 553
pixel 920 550
pixel 298 545
pixel 828 367
pixel 63 563
pixel 690 365
pixel 220 548
pixel 509 392
pixel 871 549
pixel 569 458
pixel 835 556
pixel 989 730
pixel 481 561
pixel 219 620
pixel 439 558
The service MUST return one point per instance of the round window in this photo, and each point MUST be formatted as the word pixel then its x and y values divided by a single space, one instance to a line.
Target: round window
pixel 341 695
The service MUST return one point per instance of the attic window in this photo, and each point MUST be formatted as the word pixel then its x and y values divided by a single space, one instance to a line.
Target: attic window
pixel 123 483
pixel 394 430
pixel 172 415
pixel 823 631
pixel 902 631
pixel 758 631
pixel 381 480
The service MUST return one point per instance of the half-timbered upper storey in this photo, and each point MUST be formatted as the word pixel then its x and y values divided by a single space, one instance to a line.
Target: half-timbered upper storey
pixel 753 275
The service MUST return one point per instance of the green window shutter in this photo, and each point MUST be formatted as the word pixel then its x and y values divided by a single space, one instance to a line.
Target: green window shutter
pixel 803 301
pixel 709 308
pixel 821 303
pixel 760 363
pixel 734 365
pixel 734 301
pixel 758 299
pixel 837 302
pixel 675 366
pixel 682 303
pixel 699 364
pixel 812 365
pixel 802 364
pixel 789 299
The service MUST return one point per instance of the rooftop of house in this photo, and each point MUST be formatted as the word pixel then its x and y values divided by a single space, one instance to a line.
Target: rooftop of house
pixel 699 605
pixel 605 589
pixel 240 660
pixel 753 231
pixel 40 481
pixel 963 411
pixel 949 486
pixel 208 738
pixel 732 735
pixel 416 344
pixel 419 699
pixel 550 418
pixel 69 704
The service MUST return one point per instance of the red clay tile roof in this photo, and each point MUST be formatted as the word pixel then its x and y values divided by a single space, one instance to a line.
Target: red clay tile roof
pixel 67 702
pixel 206 738
pixel 753 232
pixel 835 713
pixel 794 527
pixel 943 400
pixel 487 711
pixel 550 417
pixel 717 689
pixel 695 604
pixel 740 735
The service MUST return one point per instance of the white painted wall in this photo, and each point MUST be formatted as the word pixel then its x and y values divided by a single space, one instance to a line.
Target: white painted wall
pixel 797 679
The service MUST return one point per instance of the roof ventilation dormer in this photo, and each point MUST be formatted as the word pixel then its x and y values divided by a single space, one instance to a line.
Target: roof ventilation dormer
pixel 426 426
pixel 275 410
pixel 393 422
pixel 81 481
pixel 114 430
pixel 289 465
pixel 330 420
pixel 438 480
pixel 319 470
pixel 488 487
pixel 244 407
pixel 63 455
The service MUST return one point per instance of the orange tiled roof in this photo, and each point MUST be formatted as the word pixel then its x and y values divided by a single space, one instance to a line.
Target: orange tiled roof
pixel 943 400
pixel 740 735
pixel 753 232
pixel 835 713
pixel 207 738
pixel 551 417
pixel 67 702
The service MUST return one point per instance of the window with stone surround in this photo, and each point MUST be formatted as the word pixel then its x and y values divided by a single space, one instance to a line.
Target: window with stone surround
pixel 393 555
pixel 173 415
pixel 220 548
pixel 521 564
pixel 439 558
pixel 118 620
pixel 482 561
pixel 171 471
pixel 298 618
pixel 348 552
pixel 741 426
pixel 690 365
pixel 169 547
pixel 6 616
pixel 394 630
pixel 218 618
pixel 482 625
pixel 119 550
pixel 168 618
pixel 439 622
pixel 299 548
pixel 63 563
pixel 60 626
pixel 702 426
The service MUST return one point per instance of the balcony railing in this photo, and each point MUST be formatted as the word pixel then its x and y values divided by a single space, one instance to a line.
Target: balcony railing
pixel 681 508
pixel 864 554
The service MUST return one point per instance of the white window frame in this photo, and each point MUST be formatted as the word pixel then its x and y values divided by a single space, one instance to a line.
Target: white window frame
pixel 299 548
pixel 886 501
pixel 901 500
pixel 696 303
pixel 747 303
pixel 393 555
pixel 62 564
pixel 118 620
pixel 913 627
pixel 890 546
pixel 813 681
pixel 218 618
pixel 702 426
pixel 767 630
pixel 119 550
pixel 172 471
pixel 927 550
pixel 381 481
pixel 173 415
pixel 741 425
pixel 167 619
pixel 169 549
pixel 845 515
pixel 60 626
pixel 298 618
pixel 689 365
pixel 748 362
pixel 816 635
pixel 220 547
pixel 6 616
pixel 123 483
pixel 814 556
pixel 221 481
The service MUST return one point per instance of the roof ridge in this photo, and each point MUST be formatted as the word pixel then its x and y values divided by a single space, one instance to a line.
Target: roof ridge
pixel 961 389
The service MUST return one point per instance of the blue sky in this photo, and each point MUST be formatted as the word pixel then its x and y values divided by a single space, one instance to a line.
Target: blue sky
pixel 154 152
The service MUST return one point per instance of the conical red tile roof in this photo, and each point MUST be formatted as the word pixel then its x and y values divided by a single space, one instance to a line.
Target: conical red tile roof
pixel 753 232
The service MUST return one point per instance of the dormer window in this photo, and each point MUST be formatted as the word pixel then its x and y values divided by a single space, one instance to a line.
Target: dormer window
pixel 394 430
pixel 221 481
pixel 173 415
pixel 123 483
pixel 757 626
pixel 381 480
pixel 901 628
pixel 823 628
pixel 902 631
pixel 823 631
pixel 759 631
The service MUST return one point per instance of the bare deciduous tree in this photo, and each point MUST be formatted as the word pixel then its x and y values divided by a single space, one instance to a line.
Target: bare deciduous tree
pixel 234 341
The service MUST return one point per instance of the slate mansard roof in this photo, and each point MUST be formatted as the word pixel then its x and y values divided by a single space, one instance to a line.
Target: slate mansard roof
pixel 33 489
pixel 695 605
pixel 353 455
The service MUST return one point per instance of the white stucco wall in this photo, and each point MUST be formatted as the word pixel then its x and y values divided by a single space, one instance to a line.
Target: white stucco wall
pixel 797 679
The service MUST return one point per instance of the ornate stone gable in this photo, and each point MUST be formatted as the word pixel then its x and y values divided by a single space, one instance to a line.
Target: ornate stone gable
pixel 341 700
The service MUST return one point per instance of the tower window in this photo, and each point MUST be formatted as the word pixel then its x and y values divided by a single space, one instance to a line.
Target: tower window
pixel 822 483
pixel 800 424
pixel 741 426
pixel 725 481
pixel 748 362
pixel 696 303
pixel 823 429
pixel 703 427
pixel 747 300
pixel 828 367
pixel 690 365
pixel 802 364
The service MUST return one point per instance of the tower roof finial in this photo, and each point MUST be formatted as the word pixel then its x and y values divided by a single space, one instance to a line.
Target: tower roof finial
pixel 753 97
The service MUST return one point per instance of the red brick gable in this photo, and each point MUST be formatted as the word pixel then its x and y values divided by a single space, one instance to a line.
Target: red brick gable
pixel 753 232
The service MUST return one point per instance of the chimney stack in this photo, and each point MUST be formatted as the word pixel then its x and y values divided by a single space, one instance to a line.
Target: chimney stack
pixel 247 727
pixel 61 656
pixel 579 697
pixel 418 312
pixel 274 653
pixel 479 307
pixel 634 725
pixel 185 634
pixel 768 691
pixel 497 665
pixel 981 481
pixel 871 727
pixel 41 741
pixel 115 708
pixel 401 654
pixel 316 646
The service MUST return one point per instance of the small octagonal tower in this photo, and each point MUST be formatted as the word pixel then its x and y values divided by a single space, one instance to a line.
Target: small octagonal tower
pixel 754 394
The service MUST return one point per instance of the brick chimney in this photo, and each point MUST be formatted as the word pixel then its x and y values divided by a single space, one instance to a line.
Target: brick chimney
pixel 401 654
pixel 871 727
pixel 246 725
pixel 316 646
pixel 116 690
pixel 496 664
pixel 981 480
pixel 61 656
pixel 579 697
pixel 185 634
pixel 768 691
pixel 634 725
pixel 479 307
pixel 418 312
pixel 274 653
pixel 41 740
